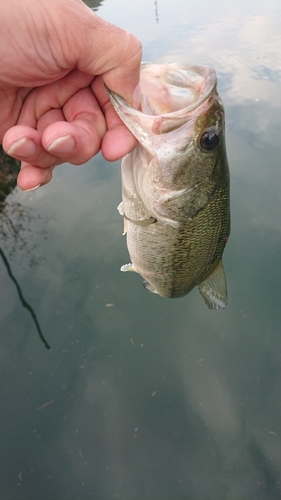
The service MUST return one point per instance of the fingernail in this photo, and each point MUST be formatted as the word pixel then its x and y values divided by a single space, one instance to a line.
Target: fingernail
pixel 32 189
pixel 62 145
pixel 24 147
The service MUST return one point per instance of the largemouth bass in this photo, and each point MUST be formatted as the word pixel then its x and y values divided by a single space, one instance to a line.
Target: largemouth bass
pixel 175 183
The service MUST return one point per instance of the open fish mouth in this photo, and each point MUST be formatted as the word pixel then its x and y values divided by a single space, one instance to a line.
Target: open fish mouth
pixel 167 88
pixel 173 88
pixel 170 92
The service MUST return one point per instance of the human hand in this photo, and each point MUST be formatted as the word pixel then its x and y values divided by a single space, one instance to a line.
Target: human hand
pixel 55 58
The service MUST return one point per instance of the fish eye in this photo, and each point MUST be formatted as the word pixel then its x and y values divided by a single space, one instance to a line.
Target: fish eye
pixel 210 139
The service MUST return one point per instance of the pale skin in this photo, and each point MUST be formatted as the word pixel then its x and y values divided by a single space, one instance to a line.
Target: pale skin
pixel 56 56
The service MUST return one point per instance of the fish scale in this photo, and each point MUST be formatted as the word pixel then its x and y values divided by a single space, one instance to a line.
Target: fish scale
pixel 174 252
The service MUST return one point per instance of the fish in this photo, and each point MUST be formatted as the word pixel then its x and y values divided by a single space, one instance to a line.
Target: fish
pixel 175 183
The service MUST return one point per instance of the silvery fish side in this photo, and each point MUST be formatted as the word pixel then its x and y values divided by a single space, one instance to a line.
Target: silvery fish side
pixel 175 183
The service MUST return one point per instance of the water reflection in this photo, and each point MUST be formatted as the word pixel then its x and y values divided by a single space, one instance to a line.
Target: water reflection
pixel 156 11
pixel 13 218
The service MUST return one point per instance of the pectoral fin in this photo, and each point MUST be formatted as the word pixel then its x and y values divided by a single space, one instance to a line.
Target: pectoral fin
pixel 170 222
pixel 124 227
pixel 121 212
pixel 120 208
pixel 213 289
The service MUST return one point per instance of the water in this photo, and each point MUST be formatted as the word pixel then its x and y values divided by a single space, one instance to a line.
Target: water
pixel 141 397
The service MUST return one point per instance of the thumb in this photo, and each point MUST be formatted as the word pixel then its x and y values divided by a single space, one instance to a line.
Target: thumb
pixel 111 52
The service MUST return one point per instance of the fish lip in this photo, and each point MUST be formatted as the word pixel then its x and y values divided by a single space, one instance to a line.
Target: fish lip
pixel 209 87
pixel 118 101
pixel 147 126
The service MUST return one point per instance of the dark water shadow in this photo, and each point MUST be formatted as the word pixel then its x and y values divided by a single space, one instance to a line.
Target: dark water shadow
pixel 11 228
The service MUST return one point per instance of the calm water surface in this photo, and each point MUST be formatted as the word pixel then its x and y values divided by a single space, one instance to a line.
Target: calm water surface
pixel 139 397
